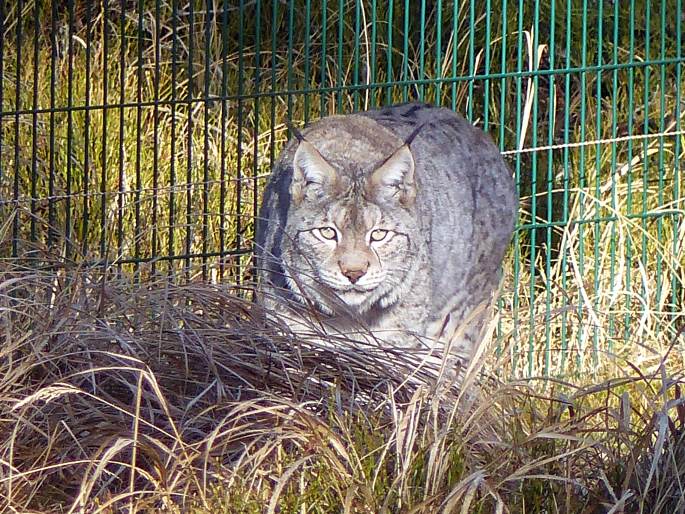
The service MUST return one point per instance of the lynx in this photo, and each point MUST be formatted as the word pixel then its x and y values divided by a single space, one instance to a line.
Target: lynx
pixel 392 221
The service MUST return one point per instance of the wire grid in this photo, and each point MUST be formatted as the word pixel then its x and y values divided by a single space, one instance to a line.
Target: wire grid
pixel 140 134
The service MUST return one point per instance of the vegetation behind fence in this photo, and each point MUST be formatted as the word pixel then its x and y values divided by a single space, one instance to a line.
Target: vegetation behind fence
pixel 139 134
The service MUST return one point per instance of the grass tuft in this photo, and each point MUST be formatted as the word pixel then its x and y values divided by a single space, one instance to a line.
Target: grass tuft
pixel 119 395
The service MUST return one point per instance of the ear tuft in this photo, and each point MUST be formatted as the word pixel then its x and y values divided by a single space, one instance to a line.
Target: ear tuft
pixel 396 175
pixel 309 168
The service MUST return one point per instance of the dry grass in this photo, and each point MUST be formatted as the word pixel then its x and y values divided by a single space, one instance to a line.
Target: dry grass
pixel 118 395
pixel 140 397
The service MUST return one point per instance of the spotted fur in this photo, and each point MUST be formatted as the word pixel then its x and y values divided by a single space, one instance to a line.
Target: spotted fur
pixel 393 220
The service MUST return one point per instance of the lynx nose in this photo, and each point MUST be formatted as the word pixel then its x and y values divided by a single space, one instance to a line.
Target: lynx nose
pixel 353 271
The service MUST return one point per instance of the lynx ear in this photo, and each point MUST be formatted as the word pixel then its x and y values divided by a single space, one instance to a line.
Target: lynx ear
pixel 310 168
pixel 395 177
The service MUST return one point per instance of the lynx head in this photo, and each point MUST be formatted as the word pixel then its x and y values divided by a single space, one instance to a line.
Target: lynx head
pixel 352 230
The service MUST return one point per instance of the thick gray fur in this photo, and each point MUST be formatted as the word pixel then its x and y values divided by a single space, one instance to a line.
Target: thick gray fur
pixel 439 266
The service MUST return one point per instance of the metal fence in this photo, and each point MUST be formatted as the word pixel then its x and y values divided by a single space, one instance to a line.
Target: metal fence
pixel 139 134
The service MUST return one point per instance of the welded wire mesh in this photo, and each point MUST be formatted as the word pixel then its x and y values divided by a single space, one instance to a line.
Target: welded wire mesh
pixel 140 134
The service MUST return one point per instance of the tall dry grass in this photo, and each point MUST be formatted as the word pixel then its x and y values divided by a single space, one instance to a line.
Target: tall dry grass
pixel 135 393
pixel 118 395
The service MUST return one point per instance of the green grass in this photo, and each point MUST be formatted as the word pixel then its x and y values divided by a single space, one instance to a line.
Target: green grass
pixel 592 299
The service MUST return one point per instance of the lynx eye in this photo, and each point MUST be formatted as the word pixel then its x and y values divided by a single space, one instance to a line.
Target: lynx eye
pixel 378 235
pixel 328 233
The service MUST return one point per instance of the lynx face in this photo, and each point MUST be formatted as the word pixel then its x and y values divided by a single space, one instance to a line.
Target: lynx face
pixel 351 229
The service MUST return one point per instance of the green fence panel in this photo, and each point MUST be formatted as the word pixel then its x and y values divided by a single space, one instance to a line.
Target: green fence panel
pixel 139 135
